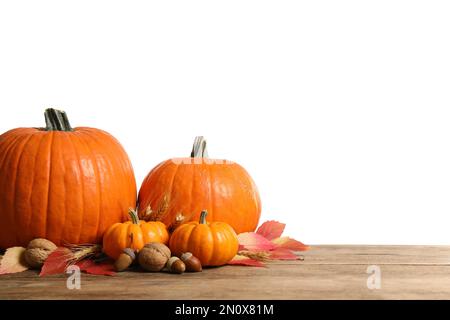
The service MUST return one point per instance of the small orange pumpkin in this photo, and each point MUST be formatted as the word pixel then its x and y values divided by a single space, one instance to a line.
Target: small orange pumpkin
pixel 214 244
pixel 133 234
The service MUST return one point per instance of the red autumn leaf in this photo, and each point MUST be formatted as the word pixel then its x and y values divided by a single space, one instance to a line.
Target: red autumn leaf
pixel 289 243
pixel 271 229
pixel 103 269
pixel 239 260
pixel 283 254
pixel 254 241
pixel 56 262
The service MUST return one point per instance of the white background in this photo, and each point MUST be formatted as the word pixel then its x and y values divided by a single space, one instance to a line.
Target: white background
pixel 340 110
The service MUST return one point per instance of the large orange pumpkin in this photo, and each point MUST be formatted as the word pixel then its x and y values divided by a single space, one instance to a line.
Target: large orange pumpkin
pixel 66 185
pixel 190 185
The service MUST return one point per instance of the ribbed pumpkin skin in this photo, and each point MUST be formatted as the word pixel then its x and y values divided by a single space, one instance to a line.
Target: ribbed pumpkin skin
pixel 214 244
pixel 134 236
pixel 224 189
pixel 68 187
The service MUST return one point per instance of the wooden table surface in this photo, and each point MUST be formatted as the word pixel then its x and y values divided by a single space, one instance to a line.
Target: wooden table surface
pixel 327 272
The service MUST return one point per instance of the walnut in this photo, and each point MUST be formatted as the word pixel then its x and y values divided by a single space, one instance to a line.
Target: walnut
pixel 37 252
pixel 153 256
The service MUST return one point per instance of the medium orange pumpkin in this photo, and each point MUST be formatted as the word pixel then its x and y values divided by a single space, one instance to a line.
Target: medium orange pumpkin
pixel 222 187
pixel 62 184
pixel 214 244
pixel 133 234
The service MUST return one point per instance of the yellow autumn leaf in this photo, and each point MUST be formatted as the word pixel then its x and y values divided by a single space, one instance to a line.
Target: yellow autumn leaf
pixel 289 243
pixel 13 261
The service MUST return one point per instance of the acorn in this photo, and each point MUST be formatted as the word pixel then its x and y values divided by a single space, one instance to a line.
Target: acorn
pixel 175 265
pixel 126 258
pixel 192 263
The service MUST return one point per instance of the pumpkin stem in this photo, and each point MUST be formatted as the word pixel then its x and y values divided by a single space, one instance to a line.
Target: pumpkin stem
pixel 56 120
pixel 199 148
pixel 134 216
pixel 203 217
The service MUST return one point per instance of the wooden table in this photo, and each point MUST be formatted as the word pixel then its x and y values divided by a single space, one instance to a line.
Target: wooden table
pixel 327 272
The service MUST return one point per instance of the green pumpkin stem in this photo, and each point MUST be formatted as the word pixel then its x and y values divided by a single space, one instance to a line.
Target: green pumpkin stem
pixel 56 120
pixel 134 216
pixel 199 149
pixel 203 217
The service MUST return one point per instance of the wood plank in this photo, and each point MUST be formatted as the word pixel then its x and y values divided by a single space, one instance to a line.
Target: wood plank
pixel 328 272
pixel 381 255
